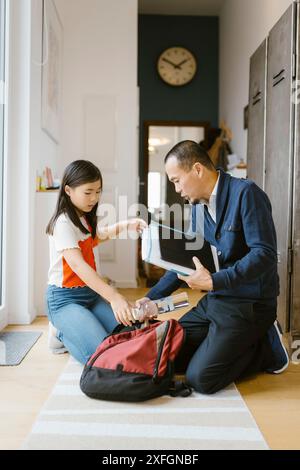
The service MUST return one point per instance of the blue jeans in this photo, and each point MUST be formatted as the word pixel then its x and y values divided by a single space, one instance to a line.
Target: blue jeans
pixel 82 317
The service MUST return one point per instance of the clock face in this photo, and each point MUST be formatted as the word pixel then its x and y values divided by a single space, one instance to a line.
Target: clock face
pixel 177 66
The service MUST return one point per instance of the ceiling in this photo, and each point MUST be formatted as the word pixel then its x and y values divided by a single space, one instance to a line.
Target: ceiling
pixel 181 7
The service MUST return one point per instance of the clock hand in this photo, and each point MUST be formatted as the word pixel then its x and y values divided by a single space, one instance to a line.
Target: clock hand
pixel 183 62
pixel 169 62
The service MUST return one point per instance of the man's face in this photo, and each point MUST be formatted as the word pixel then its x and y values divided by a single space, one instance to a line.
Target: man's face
pixel 187 182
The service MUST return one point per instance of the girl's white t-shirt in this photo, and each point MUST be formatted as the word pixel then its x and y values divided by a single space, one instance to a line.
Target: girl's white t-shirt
pixel 67 236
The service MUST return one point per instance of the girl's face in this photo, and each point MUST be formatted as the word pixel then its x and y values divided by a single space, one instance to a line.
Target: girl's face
pixel 85 196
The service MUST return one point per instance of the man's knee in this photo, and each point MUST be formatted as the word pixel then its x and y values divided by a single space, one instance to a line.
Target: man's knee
pixel 203 382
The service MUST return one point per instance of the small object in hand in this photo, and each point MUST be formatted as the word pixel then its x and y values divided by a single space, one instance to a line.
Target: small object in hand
pixel 173 302
pixel 145 311
pixel 152 308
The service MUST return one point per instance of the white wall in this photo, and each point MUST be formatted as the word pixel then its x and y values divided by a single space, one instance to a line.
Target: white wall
pixel 100 108
pixel 100 61
pixel 29 149
pixel 99 119
pixel 45 152
pixel 243 26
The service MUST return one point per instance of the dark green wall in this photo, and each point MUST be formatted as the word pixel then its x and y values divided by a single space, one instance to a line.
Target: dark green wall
pixel 196 101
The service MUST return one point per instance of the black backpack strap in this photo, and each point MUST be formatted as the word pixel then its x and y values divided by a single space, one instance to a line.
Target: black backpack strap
pixel 135 326
pixel 180 389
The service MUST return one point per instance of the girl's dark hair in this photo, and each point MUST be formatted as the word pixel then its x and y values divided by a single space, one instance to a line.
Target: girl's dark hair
pixel 77 173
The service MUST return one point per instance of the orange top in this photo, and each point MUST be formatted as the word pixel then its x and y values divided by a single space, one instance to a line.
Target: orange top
pixel 67 236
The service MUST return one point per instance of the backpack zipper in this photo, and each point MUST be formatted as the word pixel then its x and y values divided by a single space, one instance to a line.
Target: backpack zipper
pixel 155 372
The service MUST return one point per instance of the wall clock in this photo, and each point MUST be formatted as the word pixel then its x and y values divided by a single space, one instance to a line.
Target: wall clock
pixel 176 66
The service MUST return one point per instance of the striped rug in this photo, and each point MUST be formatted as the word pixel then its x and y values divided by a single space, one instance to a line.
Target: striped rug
pixel 70 420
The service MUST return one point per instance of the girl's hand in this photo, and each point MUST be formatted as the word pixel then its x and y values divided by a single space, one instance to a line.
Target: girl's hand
pixel 112 231
pixel 122 310
pixel 136 225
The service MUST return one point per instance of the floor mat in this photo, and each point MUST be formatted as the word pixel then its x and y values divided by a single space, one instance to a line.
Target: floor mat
pixel 14 345
pixel 70 420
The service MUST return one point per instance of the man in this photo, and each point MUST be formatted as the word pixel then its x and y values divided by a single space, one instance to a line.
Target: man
pixel 233 330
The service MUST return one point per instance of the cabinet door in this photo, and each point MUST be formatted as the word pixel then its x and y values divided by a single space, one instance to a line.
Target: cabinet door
pixel 295 297
pixel 257 115
pixel 279 144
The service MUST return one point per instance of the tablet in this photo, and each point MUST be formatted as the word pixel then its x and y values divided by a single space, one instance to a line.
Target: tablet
pixel 174 250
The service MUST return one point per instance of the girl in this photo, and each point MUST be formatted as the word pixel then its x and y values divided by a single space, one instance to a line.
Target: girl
pixel 81 306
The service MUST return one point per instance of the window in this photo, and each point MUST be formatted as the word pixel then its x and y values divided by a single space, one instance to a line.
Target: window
pixel 154 190
pixel 2 114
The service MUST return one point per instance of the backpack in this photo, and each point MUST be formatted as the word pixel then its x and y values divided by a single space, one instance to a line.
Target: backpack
pixel 135 364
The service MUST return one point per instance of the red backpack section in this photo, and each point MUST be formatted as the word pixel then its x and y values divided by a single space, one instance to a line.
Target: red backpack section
pixel 135 365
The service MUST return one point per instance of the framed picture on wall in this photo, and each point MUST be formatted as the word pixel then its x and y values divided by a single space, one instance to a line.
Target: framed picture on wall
pixel 52 53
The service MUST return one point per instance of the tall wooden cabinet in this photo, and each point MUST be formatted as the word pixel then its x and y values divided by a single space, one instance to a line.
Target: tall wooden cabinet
pixel 274 151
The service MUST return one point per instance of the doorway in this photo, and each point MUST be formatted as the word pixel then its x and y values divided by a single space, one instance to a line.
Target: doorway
pixel 158 194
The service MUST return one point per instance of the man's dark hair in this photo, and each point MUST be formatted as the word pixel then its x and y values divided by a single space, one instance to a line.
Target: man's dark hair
pixel 187 153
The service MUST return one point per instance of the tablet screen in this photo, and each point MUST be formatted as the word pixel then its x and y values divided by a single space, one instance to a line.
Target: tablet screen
pixel 178 248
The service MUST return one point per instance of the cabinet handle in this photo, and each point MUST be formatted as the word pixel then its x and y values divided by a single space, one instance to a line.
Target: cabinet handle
pixel 278 74
pixel 277 83
pixel 256 99
pixel 278 78
pixel 257 95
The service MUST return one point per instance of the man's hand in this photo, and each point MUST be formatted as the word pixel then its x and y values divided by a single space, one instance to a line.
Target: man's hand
pixel 150 307
pixel 201 279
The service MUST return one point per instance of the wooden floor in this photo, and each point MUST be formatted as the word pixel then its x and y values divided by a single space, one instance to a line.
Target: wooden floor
pixel 273 400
